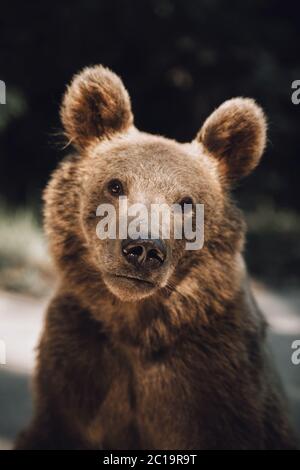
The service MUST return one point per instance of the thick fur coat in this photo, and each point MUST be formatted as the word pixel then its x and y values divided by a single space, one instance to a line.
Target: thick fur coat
pixel 140 358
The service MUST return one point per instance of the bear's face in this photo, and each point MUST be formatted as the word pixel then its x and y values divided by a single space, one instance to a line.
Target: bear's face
pixel 151 171
pixel 120 162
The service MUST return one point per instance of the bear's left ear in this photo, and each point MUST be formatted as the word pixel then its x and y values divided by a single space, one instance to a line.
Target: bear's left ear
pixel 95 106
pixel 235 134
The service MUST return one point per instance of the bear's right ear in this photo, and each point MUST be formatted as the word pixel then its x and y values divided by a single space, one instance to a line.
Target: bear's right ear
pixel 96 105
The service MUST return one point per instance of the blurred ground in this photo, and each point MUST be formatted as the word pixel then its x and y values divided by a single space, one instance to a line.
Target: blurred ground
pixel 21 319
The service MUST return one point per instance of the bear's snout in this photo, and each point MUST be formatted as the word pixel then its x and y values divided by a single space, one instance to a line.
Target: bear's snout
pixel 144 253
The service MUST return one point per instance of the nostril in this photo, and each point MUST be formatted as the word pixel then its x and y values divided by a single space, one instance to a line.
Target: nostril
pixel 134 254
pixel 155 255
pixel 136 251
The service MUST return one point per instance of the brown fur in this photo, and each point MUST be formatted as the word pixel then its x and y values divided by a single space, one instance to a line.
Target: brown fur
pixel 236 133
pixel 93 109
pixel 182 365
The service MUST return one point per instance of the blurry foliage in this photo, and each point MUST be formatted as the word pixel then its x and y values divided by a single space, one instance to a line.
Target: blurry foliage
pixel 273 245
pixel 179 60
pixel 24 263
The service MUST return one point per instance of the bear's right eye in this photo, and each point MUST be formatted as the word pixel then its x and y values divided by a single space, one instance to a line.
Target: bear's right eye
pixel 115 187
pixel 186 200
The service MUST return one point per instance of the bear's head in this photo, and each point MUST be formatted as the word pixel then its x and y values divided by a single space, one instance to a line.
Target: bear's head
pixel 115 159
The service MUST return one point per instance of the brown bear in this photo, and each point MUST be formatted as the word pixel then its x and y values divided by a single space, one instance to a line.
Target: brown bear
pixel 147 345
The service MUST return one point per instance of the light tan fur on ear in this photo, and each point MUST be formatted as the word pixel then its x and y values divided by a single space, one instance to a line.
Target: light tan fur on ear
pixel 96 105
pixel 235 134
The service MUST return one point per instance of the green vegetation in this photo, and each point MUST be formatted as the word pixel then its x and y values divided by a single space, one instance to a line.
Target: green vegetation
pixel 273 245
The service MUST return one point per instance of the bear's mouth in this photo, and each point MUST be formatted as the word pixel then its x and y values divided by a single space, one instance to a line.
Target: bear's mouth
pixel 136 280
pixel 130 286
pixel 129 280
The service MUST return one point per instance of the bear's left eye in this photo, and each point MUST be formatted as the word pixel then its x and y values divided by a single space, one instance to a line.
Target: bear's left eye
pixel 115 187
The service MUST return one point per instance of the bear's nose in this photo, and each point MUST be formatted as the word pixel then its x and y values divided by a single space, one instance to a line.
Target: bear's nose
pixel 150 254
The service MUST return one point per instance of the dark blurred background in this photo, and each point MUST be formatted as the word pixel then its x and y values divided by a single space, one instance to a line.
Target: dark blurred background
pixel 179 59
